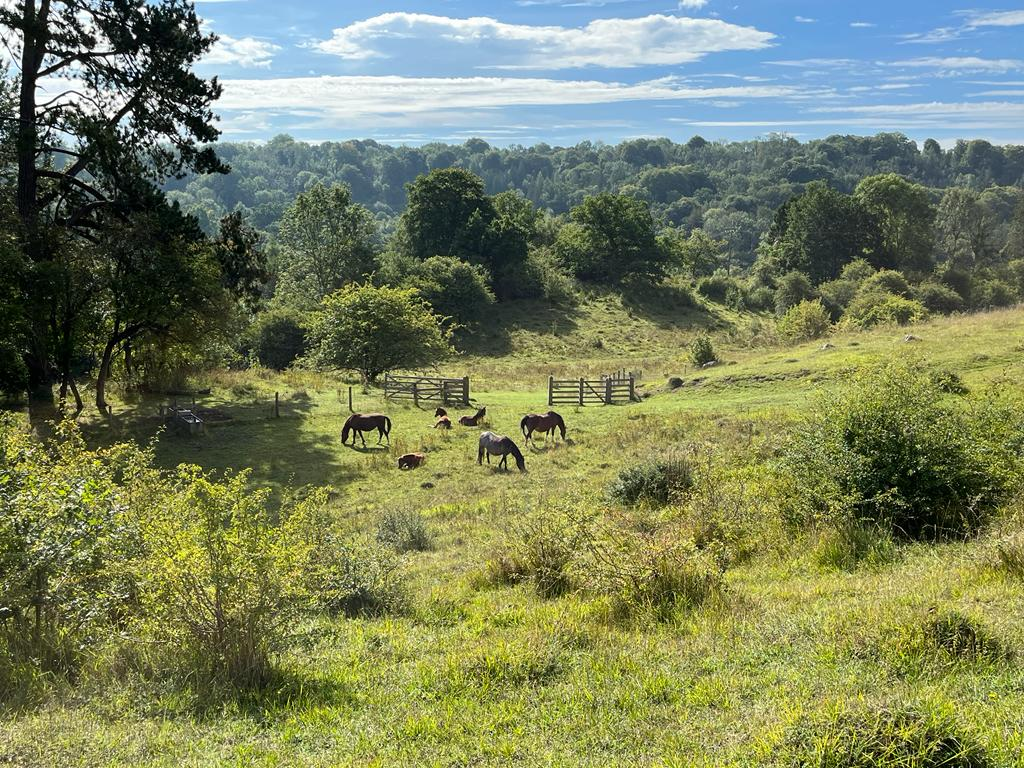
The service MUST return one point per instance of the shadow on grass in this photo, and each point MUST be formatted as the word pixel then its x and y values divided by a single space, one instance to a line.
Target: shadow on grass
pixel 667 304
pixel 494 337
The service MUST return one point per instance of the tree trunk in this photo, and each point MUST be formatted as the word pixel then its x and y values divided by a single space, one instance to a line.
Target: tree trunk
pixel 104 372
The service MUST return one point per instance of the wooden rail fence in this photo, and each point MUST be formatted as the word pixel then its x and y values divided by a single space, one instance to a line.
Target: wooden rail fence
pixel 608 390
pixel 427 388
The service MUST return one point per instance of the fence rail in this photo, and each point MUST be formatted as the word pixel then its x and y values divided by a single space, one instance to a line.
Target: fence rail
pixel 427 389
pixel 604 391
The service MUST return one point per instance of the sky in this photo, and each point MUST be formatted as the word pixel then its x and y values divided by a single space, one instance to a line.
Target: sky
pixel 564 71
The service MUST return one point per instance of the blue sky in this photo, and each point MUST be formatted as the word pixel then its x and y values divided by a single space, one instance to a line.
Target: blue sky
pixel 561 71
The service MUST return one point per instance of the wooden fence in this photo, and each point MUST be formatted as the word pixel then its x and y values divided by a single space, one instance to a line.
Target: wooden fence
pixel 608 390
pixel 427 389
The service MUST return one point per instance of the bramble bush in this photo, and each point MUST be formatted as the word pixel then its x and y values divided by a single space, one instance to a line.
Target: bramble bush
pixel 655 481
pixel 891 449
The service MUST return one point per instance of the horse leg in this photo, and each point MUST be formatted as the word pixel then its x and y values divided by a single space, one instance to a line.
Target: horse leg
pixel 361 438
pixel 503 464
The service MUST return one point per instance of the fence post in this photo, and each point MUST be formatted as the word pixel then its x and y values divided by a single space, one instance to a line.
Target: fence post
pixel 551 390
pixel 632 389
pixel 277 405
pixel 607 391
pixel 581 391
pixel 416 394
pixel 350 400
pixel 386 388
pixel 465 390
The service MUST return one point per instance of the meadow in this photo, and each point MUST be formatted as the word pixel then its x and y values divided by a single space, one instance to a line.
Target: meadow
pixel 800 648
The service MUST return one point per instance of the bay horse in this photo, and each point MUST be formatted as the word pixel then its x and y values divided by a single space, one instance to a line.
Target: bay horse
pixel 492 444
pixel 411 460
pixel 472 421
pixel 440 412
pixel 546 423
pixel 357 423
pixel 443 423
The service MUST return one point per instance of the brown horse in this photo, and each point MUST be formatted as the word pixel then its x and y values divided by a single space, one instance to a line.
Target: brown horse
pixel 440 412
pixel 357 423
pixel 545 423
pixel 472 421
pixel 492 444
pixel 443 423
pixel 411 460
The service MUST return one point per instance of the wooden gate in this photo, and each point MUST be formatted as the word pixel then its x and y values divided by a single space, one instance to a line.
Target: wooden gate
pixel 427 389
pixel 608 390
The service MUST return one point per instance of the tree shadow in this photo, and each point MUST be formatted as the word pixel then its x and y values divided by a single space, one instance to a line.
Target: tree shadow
pixel 494 338
pixel 668 305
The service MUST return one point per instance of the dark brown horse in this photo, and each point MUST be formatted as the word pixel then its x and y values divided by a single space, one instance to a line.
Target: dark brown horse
pixel 357 423
pixel 499 445
pixel 443 423
pixel 474 420
pixel 545 423
pixel 440 412
pixel 411 460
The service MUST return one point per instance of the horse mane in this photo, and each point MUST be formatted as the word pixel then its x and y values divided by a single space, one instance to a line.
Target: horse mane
pixel 347 428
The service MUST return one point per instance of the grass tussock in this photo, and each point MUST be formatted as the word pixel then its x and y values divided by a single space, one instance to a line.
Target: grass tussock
pixel 405 531
pixel 866 737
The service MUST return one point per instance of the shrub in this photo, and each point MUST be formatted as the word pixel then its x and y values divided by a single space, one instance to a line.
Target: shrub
pixel 214 586
pixel 404 531
pixel 278 338
pixel 804 321
pixel 655 574
pixel 987 294
pixel 836 295
pixel 702 351
pixel 790 290
pixel 872 308
pixel 857 271
pixel 865 737
pixel 541 549
pixel 887 281
pixel 949 382
pixel 890 450
pixel 716 287
pixel 940 298
pixel 453 288
pixel 656 481
pixel 845 547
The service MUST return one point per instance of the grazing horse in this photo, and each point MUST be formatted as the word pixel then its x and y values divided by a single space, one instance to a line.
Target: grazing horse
pixel 443 423
pixel 499 445
pixel 357 423
pixel 440 412
pixel 545 423
pixel 472 421
pixel 411 460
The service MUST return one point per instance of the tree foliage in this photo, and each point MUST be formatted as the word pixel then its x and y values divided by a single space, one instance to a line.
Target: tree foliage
pixel 374 330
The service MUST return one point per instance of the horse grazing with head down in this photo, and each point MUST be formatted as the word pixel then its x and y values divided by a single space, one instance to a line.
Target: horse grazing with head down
pixel 357 423
pixel 472 421
pixel 545 423
pixel 499 445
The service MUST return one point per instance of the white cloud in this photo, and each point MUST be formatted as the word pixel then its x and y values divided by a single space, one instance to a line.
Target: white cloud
pixel 651 40
pixel 862 24
pixel 957 64
pixel 692 4
pixel 940 35
pixel 995 19
pixel 804 20
pixel 242 51
pixel 371 102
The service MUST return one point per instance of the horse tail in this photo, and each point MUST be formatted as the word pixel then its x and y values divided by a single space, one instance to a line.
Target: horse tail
pixel 387 426
pixel 561 425
pixel 522 424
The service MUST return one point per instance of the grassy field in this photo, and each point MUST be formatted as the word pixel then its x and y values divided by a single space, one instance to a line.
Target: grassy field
pixel 475 672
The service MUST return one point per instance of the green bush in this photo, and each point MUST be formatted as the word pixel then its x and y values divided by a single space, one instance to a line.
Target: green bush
pixel 992 293
pixel 656 481
pixel 804 321
pixel 863 737
pixel 891 450
pixel 887 281
pixel 872 308
pixel 790 290
pixel 541 549
pixel 278 338
pixel 717 287
pixel 939 298
pixel 453 288
pixel 702 351
pixel 857 271
pixel 836 295
pixel 404 531
pixel 949 382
